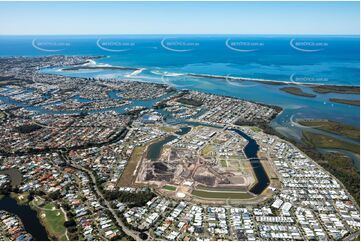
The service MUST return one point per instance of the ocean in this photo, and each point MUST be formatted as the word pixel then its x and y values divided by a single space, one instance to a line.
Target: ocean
pixel 168 58
pixel 319 59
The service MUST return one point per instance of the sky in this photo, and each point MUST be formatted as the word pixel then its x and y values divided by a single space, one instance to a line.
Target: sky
pixel 82 18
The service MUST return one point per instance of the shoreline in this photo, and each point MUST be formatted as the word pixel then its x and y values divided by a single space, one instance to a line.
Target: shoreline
pixel 76 68
pixel 316 87
pixel 297 92
pixel 261 80
pixel 267 81
pixel 320 88
pixel 353 102
pixel 25 203
pixel 212 76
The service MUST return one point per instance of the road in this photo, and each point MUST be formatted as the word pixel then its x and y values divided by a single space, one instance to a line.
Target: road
pixel 351 237
pixel 129 232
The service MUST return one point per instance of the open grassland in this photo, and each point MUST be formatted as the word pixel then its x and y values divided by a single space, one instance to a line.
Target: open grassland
pixel 167 129
pixel 53 220
pixel 169 188
pixel 128 175
pixel 208 150
pixel 21 198
pixel 51 217
pixel 221 194
pixel 256 129
pixel 223 163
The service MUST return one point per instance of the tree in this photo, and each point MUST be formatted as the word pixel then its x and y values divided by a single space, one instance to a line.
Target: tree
pixel 54 195
pixel 70 223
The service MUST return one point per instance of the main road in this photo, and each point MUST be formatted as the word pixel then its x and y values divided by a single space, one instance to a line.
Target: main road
pixel 127 231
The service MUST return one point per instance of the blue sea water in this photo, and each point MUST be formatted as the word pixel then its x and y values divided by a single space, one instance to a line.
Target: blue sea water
pixel 323 59
pixel 165 59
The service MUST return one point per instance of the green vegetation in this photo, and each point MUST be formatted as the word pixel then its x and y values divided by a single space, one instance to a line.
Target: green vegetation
pixel 357 238
pixel 168 129
pixel 223 163
pixel 127 177
pixel 169 187
pixel 28 128
pixel 207 150
pixel 126 238
pixel 333 127
pixel 2 115
pixel 327 142
pixel 336 89
pixel 133 199
pixel 221 194
pixel 50 216
pixel 297 91
pixel 256 129
pixel 21 198
pixel 345 101
pixel 4 82
pixel 342 167
pixel 53 219
pixel 189 101
pixel 338 165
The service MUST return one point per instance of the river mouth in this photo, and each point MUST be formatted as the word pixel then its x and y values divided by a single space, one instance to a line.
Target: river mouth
pixel 28 217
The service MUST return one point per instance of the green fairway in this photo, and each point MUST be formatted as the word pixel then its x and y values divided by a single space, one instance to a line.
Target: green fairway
pixel 53 220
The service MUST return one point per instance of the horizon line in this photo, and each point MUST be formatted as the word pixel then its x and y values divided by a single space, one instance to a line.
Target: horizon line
pixel 162 34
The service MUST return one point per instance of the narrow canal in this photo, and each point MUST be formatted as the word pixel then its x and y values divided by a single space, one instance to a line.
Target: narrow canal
pixel 250 151
pixel 155 149
pixel 28 217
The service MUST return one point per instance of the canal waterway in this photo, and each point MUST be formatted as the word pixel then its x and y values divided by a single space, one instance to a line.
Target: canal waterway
pixel 155 149
pixel 250 151
pixel 28 217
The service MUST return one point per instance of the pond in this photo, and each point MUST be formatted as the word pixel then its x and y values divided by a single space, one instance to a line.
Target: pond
pixel 28 217
pixel 15 176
